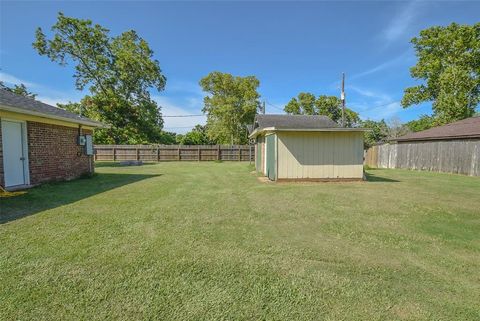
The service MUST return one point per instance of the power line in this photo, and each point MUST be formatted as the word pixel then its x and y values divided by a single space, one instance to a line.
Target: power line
pixel 369 108
pixel 269 103
pixel 379 106
pixel 179 127
pixel 193 115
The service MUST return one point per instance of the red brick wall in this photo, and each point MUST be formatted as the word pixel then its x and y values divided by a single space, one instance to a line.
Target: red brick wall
pixel 53 153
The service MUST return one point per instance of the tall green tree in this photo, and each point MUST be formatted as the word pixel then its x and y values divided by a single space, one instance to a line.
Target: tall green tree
pixel 330 106
pixel 119 71
pixel 19 90
pixel 197 136
pixel 168 138
pixel 378 133
pixel 231 105
pixel 423 123
pixel 303 104
pixel 449 65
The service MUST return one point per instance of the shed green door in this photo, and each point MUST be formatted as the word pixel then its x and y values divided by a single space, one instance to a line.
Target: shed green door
pixel 270 156
pixel 258 154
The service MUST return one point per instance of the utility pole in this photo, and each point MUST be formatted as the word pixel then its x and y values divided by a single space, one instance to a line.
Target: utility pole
pixel 342 97
pixel 263 108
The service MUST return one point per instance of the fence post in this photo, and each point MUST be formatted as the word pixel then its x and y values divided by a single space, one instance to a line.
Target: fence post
pixel 158 154
pixel 95 155
pixel 138 154
pixel 178 151
pixel 218 152
pixel 239 153
pixel 199 153
pixel 114 154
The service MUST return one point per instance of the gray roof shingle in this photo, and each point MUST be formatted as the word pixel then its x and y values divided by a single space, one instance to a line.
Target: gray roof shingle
pixel 294 122
pixel 466 128
pixel 29 105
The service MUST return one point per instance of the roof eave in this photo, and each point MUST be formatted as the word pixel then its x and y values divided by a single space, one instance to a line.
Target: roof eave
pixel 256 132
pixel 435 138
pixel 331 129
pixel 44 115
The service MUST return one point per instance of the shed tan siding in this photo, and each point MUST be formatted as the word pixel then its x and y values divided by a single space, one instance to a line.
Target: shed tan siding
pixel 321 155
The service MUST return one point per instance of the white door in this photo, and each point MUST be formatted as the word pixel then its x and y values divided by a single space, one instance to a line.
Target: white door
pixel 14 153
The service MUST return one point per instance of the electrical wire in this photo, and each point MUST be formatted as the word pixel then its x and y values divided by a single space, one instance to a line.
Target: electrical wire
pixel 370 108
pixel 179 127
pixel 269 103
pixel 193 115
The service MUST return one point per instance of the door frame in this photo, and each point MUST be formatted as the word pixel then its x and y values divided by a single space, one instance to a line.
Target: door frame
pixel 275 151
pixel 264 170
pixel 26 162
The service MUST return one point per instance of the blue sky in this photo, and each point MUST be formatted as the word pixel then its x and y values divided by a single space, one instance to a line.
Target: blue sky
pixel 290 46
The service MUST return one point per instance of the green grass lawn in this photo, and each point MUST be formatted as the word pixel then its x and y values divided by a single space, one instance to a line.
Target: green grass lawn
pixel 208 241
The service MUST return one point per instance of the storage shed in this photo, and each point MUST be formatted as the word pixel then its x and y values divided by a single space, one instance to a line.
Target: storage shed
pixel 41 143
pixel 307 148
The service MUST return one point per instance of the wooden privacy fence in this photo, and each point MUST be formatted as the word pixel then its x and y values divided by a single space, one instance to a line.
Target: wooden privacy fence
pixel 448 156
pixel 160 153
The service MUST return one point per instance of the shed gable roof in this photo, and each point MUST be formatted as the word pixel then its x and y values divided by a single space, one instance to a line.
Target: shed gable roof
pixel 26 105
pixel 301 123
pixel 466 128
pixel 293 122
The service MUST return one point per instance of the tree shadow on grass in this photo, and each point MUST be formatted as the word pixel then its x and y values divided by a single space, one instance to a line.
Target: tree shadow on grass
pixel 379 179
pixel 118 164
pixel 53 195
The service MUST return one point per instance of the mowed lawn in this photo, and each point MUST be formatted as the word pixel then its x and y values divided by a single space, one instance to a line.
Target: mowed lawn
pixel 208 241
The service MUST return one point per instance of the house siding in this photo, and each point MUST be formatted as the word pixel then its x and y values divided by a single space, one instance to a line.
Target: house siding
pixel 320 155
pixel 53 153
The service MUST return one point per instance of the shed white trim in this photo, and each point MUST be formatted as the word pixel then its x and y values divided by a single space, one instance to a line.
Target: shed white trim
pixel 333 129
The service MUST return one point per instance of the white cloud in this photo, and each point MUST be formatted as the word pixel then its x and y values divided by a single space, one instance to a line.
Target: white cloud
pixel 386 112
pixel 401 23
pixel 379 98
pixel 12 80
pixel 375 105
pixel 55 100
pixel 385 65
pixel 44 94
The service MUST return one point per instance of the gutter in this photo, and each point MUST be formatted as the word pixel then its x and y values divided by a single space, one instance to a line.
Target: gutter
pixel 85 122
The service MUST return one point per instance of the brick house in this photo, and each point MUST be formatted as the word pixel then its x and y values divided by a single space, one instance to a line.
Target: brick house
pixel 41 143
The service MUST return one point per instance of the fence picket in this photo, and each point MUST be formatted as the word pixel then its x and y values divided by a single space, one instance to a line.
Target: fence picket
pixel 160 153
pixel 449 156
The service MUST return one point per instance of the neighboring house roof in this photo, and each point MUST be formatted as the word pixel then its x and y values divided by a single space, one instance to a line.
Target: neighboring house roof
pixel 296 123
pixel 25 105
pixel 466 128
